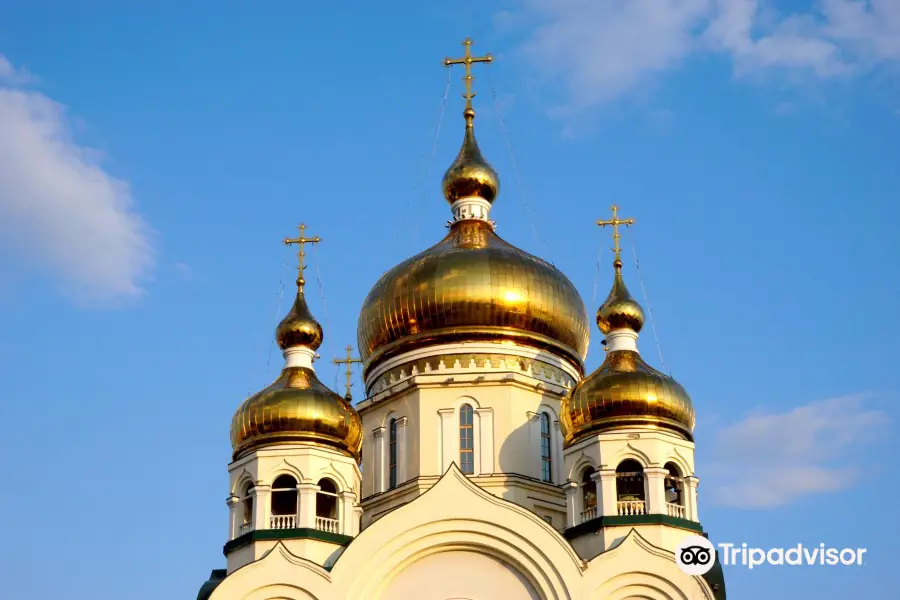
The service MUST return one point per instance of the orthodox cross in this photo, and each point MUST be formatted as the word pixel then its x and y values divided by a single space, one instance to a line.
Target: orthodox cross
pixel 615 222
pixel 468 60
pixel 349 373
pixel 301 240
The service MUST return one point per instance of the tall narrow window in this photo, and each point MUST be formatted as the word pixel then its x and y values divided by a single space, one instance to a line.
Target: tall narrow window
pixel 546 458
pixel 392 455
pixel 466 440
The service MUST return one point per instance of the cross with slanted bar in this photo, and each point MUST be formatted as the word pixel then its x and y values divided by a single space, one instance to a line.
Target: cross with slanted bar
pixel 349 373
pixel 301 240
pixel 615 222
pixel 468 60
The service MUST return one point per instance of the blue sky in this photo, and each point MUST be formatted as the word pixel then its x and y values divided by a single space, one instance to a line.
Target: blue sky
pixel 152 160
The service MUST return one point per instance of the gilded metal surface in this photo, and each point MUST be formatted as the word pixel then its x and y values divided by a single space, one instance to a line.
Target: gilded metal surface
pixel 620 310
pixel 470 174
pixel 301 241
pixel 349 361
pixel 472 286
pixel 297 407
pixel 483 360
pixel 299 327
pixel 468 60
pixel 626 391
pixel 614 223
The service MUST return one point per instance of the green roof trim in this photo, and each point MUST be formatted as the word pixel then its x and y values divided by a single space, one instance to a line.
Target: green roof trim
pixel 261 535
pixel 715 579
pixel 215 578
pixel 628 520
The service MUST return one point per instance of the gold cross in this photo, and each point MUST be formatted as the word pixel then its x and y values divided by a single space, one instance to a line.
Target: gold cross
pixel 301 240
pixel 468 60
pixel 349 373
pixel 615 222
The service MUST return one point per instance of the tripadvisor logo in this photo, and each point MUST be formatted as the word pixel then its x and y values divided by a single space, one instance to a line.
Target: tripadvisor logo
pixel 696 555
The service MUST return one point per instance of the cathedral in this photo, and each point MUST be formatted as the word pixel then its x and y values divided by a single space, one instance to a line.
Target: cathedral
pixel 484 461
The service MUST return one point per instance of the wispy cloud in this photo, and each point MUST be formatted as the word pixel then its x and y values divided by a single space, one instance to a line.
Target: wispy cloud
pixel 771 459
pixel 603 49
pixel 60 210
pixel 14 76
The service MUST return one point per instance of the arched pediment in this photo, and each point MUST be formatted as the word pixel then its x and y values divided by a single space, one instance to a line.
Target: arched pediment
pixel 456 515
pixel 275 575
pixel 635 568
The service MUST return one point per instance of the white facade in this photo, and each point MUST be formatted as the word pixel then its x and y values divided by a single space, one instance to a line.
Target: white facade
pixel 519 524
pixel 460 542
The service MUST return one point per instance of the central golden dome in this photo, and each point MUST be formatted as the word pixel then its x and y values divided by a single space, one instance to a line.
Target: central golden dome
pixel 473 286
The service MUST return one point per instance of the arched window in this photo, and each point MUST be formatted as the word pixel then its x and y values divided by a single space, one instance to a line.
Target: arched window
pixel 326 506
pixel 546 456
pixel 466 439
pixel 630 488
pixel 392 455
pixel 247 501
pixel 674 491
pixel 588 495
pixel 284 503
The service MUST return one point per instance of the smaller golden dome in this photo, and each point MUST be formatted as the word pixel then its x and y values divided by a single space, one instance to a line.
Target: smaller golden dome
pixel 297 407
pixel 470 174
pixel 626 392
pixel 620 310
pixel 299 327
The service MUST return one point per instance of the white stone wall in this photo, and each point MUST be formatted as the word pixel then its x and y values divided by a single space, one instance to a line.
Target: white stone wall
pixel 308 465
pixel 455 543
pixel 507 402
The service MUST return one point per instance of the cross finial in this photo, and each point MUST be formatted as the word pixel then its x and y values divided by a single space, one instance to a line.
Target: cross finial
pixel 301 240
pixel 615 222
pixel 349 372
pixel 468 60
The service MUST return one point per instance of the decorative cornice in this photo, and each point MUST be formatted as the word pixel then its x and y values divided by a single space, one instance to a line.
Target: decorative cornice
pixel 599 523
pixel 262 535
pixel 468 362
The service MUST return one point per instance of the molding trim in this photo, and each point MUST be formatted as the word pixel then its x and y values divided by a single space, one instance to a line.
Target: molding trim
pixel 267 535
pixel 625 520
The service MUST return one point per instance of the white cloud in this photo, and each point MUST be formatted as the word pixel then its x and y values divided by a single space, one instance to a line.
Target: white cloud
pixel 59 210
pixel 10 74
pixel 603 49
pixel 771 459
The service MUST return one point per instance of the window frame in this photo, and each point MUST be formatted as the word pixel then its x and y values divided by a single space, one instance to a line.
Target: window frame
pixel 546 449
pixel 392 454
pixel 467 434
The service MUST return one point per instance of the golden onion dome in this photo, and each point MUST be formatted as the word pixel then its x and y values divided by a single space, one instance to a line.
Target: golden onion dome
pixel 299 327
pixel 473 286
pixel 620 310
pixel 625 391
pixel 470 175
pixel 297 407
